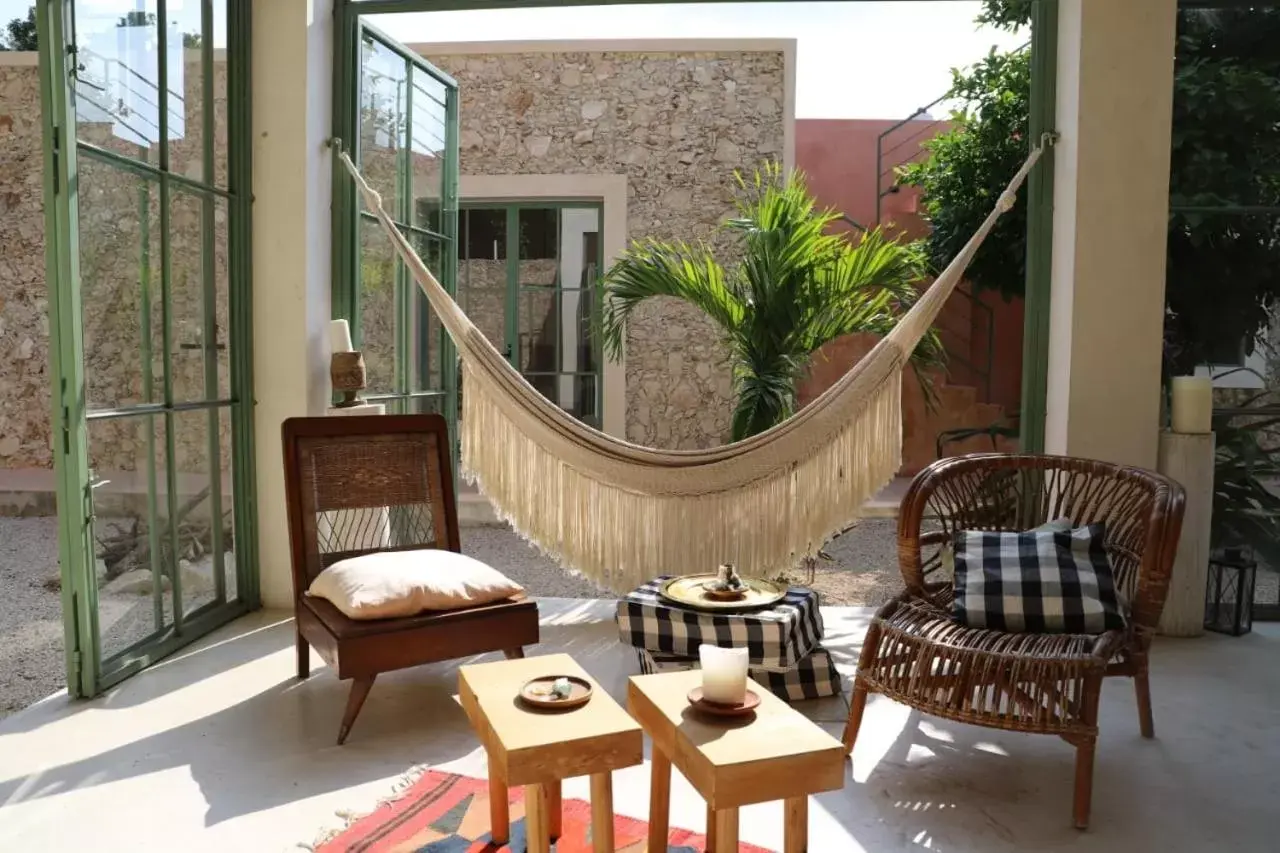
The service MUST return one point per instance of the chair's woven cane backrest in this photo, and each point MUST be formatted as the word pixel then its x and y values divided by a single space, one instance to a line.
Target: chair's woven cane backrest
pixel 1142 510
pixel 364 484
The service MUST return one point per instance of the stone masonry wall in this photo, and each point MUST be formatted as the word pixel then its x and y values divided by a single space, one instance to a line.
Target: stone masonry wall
pixel 24 304
pixel 120 270
pixel 677 125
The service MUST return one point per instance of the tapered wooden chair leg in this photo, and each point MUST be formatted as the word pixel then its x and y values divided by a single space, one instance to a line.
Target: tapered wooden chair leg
pixel 355 701
pixel 304 657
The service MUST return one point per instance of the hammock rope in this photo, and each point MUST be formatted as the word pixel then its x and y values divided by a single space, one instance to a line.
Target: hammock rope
pixel 621 513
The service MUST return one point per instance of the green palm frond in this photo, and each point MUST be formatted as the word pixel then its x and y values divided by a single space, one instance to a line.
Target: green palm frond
pixel 650 268
pixel 794 287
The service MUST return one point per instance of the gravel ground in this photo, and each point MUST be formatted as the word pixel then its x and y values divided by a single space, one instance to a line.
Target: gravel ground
pixel 863 570
pixel 31 660
pixel 501 548
pixel 864 566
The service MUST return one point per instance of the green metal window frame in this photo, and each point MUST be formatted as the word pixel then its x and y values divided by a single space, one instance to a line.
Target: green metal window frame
pixel 347 220
pixel 87 672
pixel 1035 338
pixel 515 287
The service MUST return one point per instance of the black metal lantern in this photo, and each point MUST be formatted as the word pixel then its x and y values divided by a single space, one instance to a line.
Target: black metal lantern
pixel 1228 607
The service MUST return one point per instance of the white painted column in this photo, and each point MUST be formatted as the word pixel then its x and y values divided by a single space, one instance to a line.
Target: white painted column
pixel 1110 225
pixel 292 85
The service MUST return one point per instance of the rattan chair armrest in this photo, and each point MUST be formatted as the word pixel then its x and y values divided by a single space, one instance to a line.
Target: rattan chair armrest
pixel 911 514
pixel 1155 570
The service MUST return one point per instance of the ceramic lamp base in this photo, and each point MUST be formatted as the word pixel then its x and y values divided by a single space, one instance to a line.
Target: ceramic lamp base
pixel 347 374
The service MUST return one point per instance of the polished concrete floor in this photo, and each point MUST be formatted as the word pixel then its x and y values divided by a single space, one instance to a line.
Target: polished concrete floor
pixel 221 749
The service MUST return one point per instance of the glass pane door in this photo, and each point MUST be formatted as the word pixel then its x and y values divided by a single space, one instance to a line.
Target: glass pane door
pixel 528 273
pixel 406 148
pixel 149 210
pixel 560 256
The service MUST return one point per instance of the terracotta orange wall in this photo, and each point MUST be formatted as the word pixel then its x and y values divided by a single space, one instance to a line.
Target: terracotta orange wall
pixel 956 406
pixel 839 158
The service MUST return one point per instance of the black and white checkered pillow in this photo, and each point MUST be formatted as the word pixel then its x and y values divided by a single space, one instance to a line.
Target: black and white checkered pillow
pixel 1041 581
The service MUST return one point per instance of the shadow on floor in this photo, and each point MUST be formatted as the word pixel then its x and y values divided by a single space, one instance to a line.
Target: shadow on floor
pixel 278 743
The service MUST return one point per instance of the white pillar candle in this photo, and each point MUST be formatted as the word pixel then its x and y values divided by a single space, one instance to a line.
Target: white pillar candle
pixel 724 674
pixel 1191 409
pixel 339 336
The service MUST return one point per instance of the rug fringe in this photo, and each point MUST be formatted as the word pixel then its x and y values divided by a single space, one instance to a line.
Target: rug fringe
pixel 402 783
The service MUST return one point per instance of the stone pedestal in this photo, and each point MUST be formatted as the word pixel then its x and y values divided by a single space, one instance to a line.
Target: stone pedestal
pixel 1188 459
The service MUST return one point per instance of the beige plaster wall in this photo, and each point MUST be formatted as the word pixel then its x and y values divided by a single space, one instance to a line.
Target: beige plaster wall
pixel 1111 205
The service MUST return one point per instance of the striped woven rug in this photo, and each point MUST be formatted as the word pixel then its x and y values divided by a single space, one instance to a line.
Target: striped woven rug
pixel 446 813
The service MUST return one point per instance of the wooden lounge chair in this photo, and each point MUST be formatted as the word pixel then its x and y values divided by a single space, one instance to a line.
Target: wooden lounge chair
pixel 357 485
pixel 916 654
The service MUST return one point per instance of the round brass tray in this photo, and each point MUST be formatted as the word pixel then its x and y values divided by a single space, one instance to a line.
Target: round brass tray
pixel 691 591
pixel 538 692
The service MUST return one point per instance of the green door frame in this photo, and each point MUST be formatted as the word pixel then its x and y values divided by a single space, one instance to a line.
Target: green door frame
pixel 1036 294
pixel 87 672
pixel 512 209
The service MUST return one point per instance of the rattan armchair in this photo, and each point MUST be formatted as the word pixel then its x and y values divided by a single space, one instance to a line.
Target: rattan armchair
pixel 1050 684
pixel 358 485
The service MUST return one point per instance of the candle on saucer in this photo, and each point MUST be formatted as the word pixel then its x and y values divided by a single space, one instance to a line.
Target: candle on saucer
pixel 340 336
pixel 1191 408
pixel 724 674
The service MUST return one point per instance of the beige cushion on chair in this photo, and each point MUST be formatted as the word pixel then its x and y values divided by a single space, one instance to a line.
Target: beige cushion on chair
pixel 392 584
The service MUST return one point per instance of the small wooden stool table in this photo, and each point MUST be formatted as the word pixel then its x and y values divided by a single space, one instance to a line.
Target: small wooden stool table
pixel 538 748
pixel 773 754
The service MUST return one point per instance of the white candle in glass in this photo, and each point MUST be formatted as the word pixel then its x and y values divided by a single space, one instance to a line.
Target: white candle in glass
pixel 339 336
pixel 1191 406
pixel 724 674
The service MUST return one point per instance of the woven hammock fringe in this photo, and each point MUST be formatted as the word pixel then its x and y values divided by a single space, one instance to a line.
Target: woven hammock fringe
pixel 620 539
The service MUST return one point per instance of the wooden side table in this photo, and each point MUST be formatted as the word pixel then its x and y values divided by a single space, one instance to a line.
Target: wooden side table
pixel 537 749
pixel 777 754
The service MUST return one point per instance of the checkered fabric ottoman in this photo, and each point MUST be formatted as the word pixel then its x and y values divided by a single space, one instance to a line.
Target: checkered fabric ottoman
pixel 783 641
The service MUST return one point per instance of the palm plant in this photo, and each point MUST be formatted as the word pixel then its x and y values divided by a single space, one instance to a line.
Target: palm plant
pixel 794 288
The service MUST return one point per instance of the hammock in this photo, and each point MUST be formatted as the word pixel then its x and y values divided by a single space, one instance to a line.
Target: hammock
pixel 621 513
